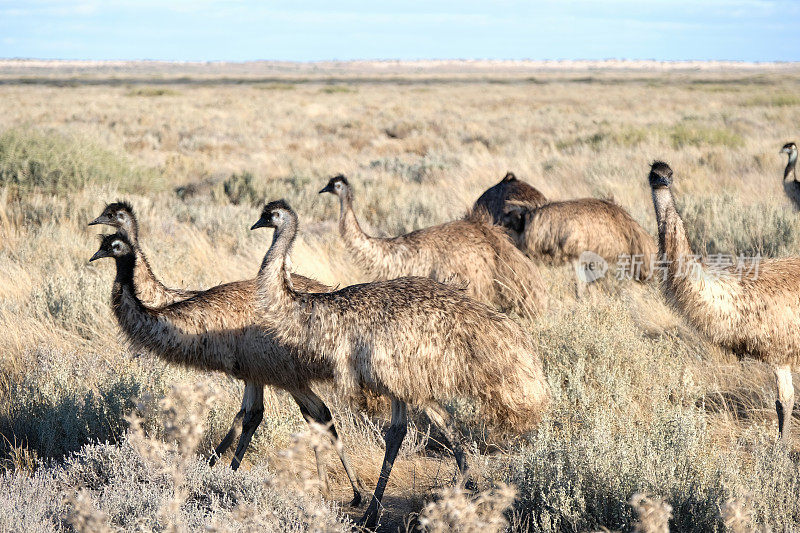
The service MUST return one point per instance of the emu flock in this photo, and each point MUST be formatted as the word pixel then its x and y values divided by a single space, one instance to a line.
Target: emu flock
pixel 437 321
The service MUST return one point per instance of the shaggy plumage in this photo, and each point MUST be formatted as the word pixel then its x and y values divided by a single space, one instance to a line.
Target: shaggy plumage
pixel 471 250
pixel 413 339
pixel 149 289
pixel 495 199
pixel 220 330
pixel 559 232
pixel 749 308
pixel 791 186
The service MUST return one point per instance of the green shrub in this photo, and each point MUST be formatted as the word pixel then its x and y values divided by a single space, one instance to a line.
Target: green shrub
pixel 690 133
pixel 58 164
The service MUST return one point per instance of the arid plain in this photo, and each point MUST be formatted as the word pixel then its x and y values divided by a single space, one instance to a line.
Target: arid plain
pixel 642 404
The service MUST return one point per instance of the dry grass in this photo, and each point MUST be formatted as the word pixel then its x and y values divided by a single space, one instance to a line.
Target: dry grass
pixel 642 405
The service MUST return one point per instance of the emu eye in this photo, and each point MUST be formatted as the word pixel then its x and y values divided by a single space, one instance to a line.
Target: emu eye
pixel 120 215
pixel 116 246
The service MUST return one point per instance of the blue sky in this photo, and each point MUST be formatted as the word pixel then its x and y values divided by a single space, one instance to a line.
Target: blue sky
pixel 239 30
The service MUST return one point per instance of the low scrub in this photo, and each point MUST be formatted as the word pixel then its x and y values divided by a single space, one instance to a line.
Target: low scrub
pixel 722 224
pixel 54 163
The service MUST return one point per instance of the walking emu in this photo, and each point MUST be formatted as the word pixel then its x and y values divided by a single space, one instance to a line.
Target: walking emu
pixel 217 329
pixel 757 315
pixel 417 341
pixel 559 232
pixel 791 186
pixel 510 189
pixel 471 250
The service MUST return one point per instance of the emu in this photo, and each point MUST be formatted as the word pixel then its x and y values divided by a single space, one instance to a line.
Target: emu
pixel 791 187
pixel 471 250
pixel 415 340
pixel 510 189
pixel 218 330
pixel 559 232
pixel 757 315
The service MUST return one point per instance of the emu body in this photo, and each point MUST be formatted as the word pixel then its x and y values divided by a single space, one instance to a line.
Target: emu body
pixel 756 314
pixel 413 339
pixel 217 330
pixel 559 232
pixel 471 250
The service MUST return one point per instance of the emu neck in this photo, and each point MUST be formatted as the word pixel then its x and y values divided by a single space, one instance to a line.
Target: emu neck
pixel 125 267
pixel 790 166
pixel 276 293
pixel 369 252
pixel 672 240
pixel 673 245
pixel 148 288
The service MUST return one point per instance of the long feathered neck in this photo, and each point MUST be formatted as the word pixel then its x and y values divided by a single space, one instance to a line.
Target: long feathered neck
pixel 143 273
pixel 276 293
pixel 349 228
pixel 791 165
pixel 673 245
pixel 124 277
pixel 369 252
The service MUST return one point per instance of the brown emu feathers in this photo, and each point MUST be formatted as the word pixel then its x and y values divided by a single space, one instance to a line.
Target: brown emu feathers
pixel 559 232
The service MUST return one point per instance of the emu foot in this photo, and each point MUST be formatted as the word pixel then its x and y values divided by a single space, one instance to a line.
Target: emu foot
pixel 370 518
pixel 356 501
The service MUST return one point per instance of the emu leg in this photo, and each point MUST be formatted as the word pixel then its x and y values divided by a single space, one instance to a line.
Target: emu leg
pixel 442 420
pixel 254 414
pixel 580 280
pixel 314 409
pixel 236 427
pixel 785 401
pixel 226 442
pixel 394 438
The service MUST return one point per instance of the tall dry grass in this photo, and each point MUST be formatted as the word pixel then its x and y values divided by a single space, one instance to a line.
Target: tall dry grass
pixel 642 404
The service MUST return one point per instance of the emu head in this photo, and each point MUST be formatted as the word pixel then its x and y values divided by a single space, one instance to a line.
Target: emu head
pixel 119 215
pixel 789 148
pixel 115 245
pixel 660 175
pixel 337 185
pixel 276 214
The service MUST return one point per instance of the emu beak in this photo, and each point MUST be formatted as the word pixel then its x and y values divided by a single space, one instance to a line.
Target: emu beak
pixel 98 220
pixel 98 254
pixel 260 224
pixel 326 188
